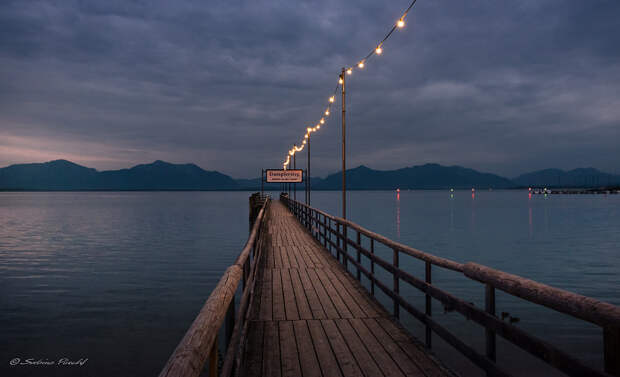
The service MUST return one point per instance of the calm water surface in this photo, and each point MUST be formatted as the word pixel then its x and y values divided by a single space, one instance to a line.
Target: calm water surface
pixel 117 278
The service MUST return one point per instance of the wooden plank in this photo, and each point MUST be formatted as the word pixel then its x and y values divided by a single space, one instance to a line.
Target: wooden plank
pixel 348 364
pixel 342 308
pixel 288 348
pixel 271 350
pixel 311 249
pixel 364 359
pixel 277 256
pixel 302 301
pixel 286 263
pixel 266 298
pixel 382 358
pixel 371 306
pixel 290 301
pixel 278 297
pixel 327 357
pixel 297 254
pixel 324 297
pixel 301 237
pixel 307 356
pixel 316 306
pixel 415 352
pixel 254 360
pixel 393 349
pixel 351 301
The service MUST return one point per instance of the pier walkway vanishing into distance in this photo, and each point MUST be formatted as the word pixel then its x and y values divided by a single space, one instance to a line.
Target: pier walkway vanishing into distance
pixel 299 301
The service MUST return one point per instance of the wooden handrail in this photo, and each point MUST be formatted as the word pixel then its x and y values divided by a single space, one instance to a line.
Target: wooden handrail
pixel 190 356
pixel 582 307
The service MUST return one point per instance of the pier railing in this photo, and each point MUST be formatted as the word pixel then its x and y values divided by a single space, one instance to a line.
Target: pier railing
pixel 333 232
pixel 200 342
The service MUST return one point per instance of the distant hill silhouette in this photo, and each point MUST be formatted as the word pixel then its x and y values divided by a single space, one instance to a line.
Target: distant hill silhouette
pixel 160 175
pixel 65 175
pixel 428 176
pixel 583 177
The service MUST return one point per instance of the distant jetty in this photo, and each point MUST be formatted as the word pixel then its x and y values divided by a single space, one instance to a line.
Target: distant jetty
pixel 577 191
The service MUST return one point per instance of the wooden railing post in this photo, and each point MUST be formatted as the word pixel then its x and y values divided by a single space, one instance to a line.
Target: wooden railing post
pixel 359 257
pixel 330 236
pixel 213 359
pixel 428 307
pixel 243 275
pixel 372 267
pixel 338 242
pixel 345 241
pixel 489 304
pixel 396 282
pixel 230 322
pixel 611 341
pixel 324 231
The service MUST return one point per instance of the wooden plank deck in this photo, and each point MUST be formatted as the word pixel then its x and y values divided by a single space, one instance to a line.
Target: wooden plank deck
pixel 310 318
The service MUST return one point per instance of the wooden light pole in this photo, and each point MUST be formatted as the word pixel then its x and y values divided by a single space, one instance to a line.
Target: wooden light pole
pixel 344 149
pixel 308 174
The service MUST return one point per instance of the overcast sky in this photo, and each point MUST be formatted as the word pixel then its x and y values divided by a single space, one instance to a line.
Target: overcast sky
pixel 500 86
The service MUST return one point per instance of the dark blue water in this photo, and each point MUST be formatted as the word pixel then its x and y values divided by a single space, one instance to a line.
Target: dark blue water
pixel 117 278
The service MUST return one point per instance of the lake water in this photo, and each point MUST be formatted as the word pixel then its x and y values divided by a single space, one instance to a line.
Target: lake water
pixel 118 277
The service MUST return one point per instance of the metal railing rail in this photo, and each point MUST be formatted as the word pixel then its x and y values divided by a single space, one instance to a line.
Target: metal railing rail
pixel 324 227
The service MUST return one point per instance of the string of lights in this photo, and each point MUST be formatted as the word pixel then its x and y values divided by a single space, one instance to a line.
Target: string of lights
pixel 378 50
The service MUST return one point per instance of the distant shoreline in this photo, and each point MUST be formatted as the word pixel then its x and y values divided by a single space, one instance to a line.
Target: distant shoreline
pixel 576 189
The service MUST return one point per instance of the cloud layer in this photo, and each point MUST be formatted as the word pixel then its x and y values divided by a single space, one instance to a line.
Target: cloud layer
pixel 501 86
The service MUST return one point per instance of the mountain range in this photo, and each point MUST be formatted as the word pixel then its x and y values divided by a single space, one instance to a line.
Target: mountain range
pixel 160 175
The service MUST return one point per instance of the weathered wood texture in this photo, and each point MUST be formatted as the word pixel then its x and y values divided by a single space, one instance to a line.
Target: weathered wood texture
pixel 317 320
pixel 586 308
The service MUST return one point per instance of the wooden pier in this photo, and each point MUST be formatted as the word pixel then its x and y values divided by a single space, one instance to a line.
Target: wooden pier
pixel 299 312
pixel 310 315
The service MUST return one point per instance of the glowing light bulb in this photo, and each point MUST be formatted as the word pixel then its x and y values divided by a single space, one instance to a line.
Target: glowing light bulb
pixel 309 129
pixel 318 127
pixel 322 120
pixel 361 64
pixel 326 112
pixel 401 23
pixel 378 50
pixel 349 71
pixel 331 99
pixel 304 140
pixel 290 153
pixel 340 81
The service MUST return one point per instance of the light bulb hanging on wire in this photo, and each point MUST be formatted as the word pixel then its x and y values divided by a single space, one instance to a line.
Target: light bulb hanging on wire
pixel 378 50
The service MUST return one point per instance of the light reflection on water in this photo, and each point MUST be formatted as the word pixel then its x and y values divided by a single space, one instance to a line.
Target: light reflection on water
pixel 118 277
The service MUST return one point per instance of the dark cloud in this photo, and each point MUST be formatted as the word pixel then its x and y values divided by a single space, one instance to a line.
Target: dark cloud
pixel 501 86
